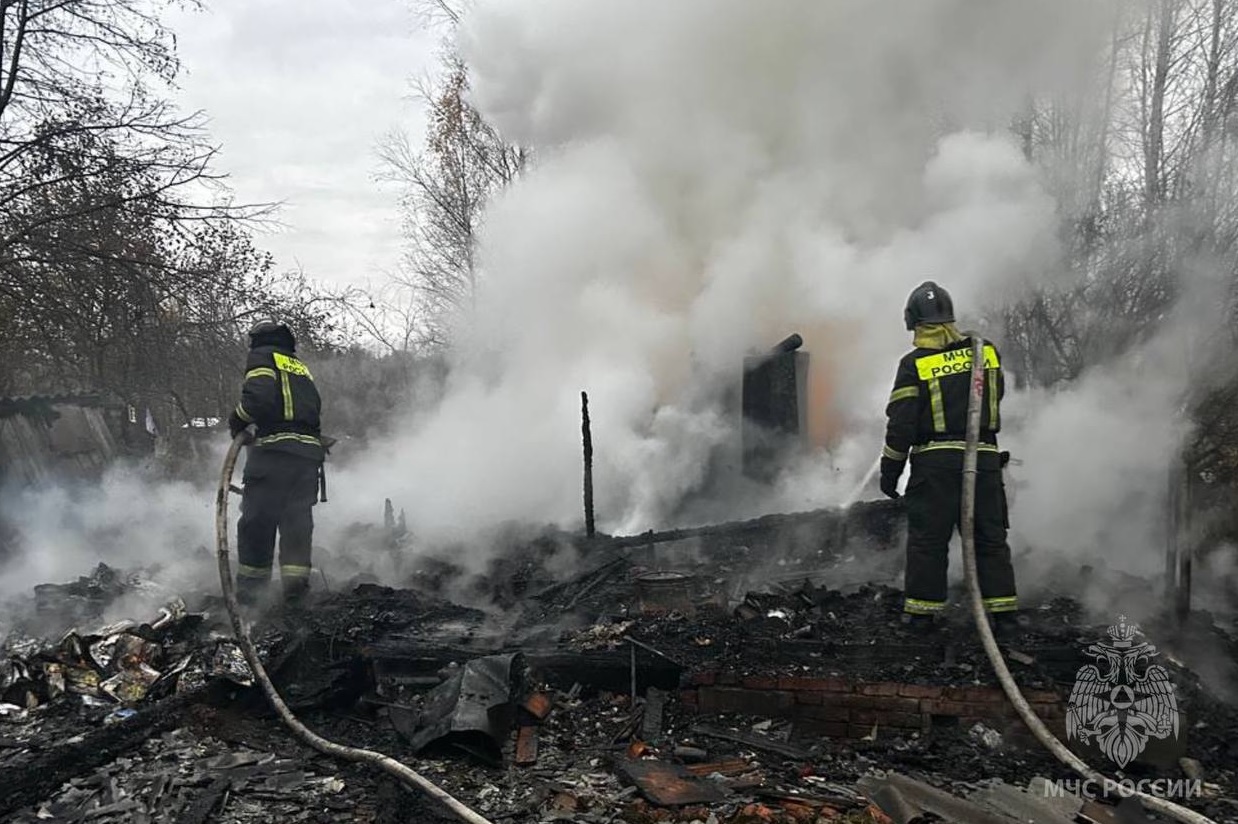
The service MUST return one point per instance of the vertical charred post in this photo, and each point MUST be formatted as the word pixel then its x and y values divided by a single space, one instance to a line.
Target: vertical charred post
pixel 587 438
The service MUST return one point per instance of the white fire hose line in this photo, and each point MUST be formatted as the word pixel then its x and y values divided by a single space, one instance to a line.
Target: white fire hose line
pixel 1042 733
pixel 859 489
pixel 309 737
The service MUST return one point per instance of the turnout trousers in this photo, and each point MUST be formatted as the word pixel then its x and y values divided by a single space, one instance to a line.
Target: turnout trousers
pixel 280 492
pixel 934 503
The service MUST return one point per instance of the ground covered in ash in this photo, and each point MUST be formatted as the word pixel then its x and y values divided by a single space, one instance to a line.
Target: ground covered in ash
pixel 550 700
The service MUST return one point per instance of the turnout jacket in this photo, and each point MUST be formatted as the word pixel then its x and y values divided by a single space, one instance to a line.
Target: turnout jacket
pixel 927 410
pixel 280 399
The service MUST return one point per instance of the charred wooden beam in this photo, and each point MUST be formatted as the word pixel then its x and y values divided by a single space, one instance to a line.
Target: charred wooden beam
pixel 402 658
pixel 874 516
pixel 587 437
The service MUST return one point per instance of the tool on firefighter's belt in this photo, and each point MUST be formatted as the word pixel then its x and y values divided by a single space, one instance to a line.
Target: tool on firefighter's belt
pixel 233 488
pixel 327 442
pixel 967 533
pixel 385 763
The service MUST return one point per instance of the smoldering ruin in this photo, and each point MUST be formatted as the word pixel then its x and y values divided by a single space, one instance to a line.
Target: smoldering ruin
pixel 751 671
pixel 683 280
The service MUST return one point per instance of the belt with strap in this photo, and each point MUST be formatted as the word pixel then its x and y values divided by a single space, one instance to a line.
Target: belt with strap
pixel 934 446
pixel 288 437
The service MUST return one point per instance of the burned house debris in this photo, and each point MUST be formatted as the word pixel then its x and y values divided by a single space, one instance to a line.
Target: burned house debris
pixel 661 682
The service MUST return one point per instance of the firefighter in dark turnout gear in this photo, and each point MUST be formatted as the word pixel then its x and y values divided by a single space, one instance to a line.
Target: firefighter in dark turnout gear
pixel 927 421
pixel 283 470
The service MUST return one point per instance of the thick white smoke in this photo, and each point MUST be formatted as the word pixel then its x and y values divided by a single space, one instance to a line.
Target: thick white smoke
pixel 162 530
pixel 711 176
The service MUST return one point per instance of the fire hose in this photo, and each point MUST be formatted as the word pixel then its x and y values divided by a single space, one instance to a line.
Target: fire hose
pixel 1033 722
pixel 385 763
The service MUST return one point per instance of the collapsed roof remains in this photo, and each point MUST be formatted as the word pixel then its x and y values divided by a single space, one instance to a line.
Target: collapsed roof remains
pixel 638 690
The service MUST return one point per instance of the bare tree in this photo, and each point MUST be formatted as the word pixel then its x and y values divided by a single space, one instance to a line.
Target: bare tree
pixel 1142 164
pixel 446 187
pixel 124 265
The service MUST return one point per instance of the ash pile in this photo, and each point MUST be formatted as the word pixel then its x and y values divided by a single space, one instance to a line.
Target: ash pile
pixel 631 692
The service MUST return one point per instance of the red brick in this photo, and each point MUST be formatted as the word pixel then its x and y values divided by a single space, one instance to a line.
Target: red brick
pixel 728 678
pixel 860 730
pixel 760 682
pixel 856 702
pixel 539 705
pixel 812 698
pixel 704 679
pixel 885 688
pixel 1042 696
pixel 891 704
pixel 828 683
pixel 688 698
pixel 526 746
pixel 904 720
pixel 919 691
pixel 867 717
pixel 748 702
pixel 825 713
pixel 942 707
pixel 1052 711
pixel 984 695
pixel 954 693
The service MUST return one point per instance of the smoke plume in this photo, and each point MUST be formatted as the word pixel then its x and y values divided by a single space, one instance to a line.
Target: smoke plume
pixel 712 176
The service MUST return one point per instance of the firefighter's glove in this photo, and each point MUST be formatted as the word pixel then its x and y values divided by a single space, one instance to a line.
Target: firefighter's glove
pixel 891 471
pixel 235 425
pixel 238 427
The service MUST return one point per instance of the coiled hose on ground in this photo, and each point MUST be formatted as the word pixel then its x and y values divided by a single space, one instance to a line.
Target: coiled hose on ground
pixel 305 734
pixel 967 524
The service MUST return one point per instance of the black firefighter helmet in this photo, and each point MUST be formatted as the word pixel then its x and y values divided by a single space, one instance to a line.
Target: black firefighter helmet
pixel 269 332
pixel 928 303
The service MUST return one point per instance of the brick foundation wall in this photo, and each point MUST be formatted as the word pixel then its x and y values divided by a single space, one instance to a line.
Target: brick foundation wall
pixel 837 707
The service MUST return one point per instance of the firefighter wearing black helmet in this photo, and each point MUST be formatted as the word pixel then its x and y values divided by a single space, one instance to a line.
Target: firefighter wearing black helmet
pixel 927 422
pixel 283 470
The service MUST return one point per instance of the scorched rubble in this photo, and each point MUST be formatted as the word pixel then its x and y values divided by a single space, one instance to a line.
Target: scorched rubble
pixel 797 703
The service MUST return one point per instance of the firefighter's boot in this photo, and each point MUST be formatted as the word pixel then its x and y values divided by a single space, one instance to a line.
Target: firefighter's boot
pixel 919 624
pixel 251 592
pixel 296 590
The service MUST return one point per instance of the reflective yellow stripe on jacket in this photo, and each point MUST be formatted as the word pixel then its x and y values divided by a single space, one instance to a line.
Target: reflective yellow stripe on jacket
pixel 919 606
pixel 937 405
pixel 933 446
pixel 288 436
pixel 892 454
pixel 904 393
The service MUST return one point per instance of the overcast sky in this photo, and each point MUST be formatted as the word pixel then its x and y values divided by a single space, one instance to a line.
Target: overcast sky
pixel 298 92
